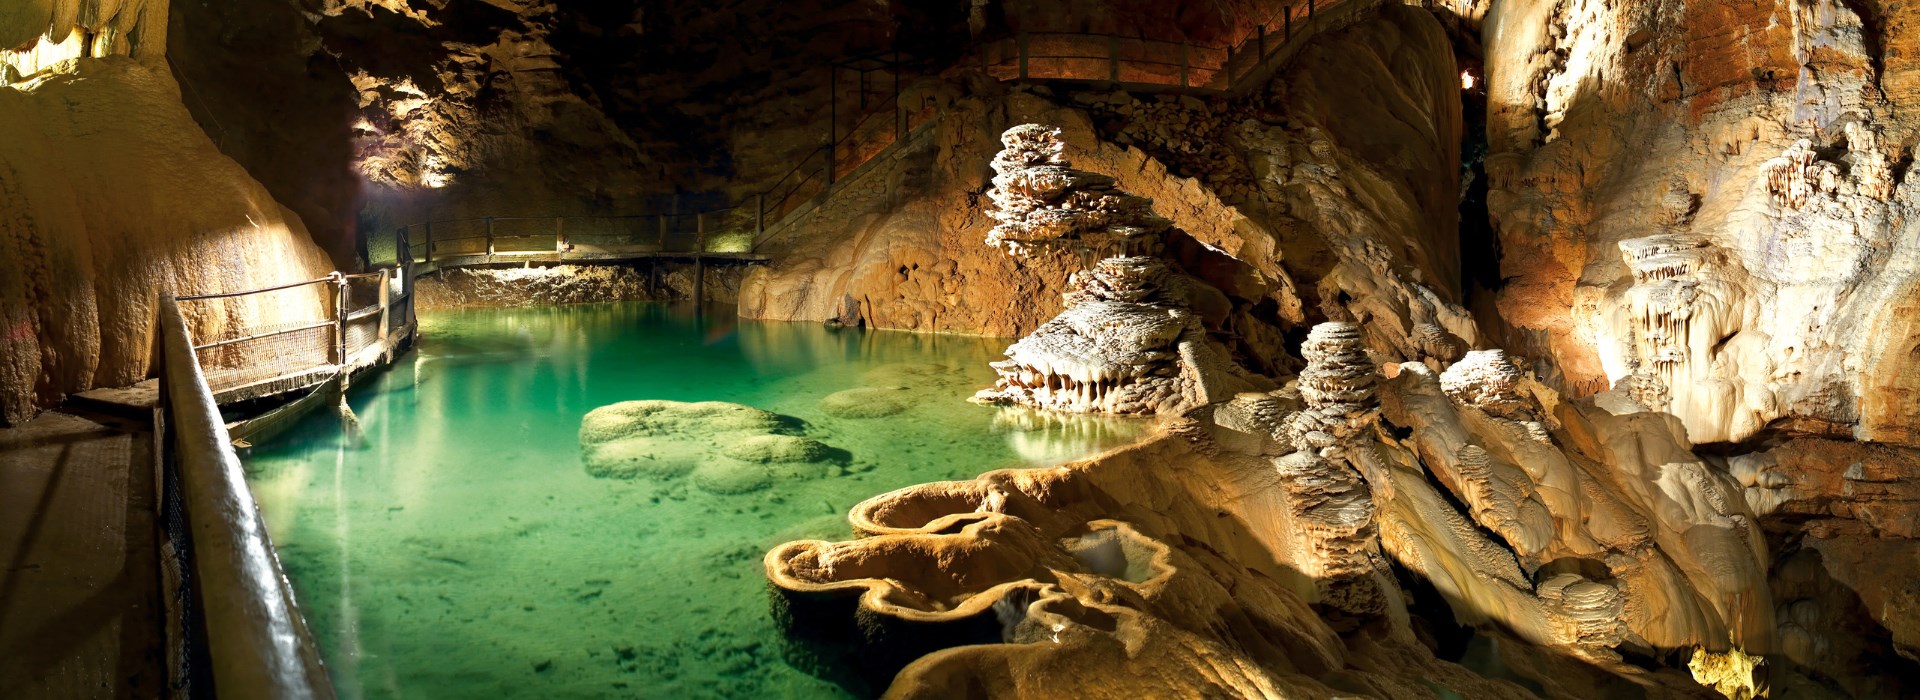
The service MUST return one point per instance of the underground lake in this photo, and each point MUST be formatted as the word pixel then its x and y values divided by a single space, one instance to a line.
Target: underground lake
pixel 456 545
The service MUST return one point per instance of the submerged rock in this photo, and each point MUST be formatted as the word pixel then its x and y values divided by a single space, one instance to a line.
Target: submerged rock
pixel 730 477
pixel 729 448
pixel 764 449
pixel 867 402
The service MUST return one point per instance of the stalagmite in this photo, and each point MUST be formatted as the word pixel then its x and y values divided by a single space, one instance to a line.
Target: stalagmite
pixel 1128 341
pixel 1040 201
pixel 1486 379
pixel 1337 385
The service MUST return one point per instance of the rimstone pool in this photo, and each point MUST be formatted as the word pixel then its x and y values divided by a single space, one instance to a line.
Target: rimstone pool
pixel 456 545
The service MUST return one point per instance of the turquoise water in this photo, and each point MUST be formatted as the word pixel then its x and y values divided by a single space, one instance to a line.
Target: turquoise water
pixel 455 546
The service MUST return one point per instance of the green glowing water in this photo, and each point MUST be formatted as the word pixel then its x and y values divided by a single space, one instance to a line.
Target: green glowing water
pixel 456 547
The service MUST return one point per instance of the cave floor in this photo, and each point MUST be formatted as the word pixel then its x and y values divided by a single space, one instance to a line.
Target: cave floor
pixel 80 594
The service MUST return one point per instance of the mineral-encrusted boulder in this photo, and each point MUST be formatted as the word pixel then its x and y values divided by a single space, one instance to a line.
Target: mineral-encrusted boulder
pixel 1486 379
pixel 866 402
pixel 1128 344
pixel 729 448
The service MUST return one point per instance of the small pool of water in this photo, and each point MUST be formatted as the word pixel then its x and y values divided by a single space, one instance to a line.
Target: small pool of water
pixel 455 546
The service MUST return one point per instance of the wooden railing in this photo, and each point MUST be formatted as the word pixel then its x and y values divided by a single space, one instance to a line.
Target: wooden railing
pixel 239 631
pixel 319 328
pixel 1149 64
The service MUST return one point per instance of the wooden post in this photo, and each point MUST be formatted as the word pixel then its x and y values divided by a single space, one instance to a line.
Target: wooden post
pixel 699 263
pixel 833 117
pixel 1021 46
pixel 759 215
pixel 1262 46
pixel 899 117
pixel 1289 36
pixel 663 231
pixel 1309 9
pixel 429 251
pixel 386 302
pixel 1183 64
pixel 559 234
pixel 340 321
pixel 489 236
pixel 1229 65
pixel 1113 60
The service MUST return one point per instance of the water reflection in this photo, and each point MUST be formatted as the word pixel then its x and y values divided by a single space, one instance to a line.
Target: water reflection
pixel 458 547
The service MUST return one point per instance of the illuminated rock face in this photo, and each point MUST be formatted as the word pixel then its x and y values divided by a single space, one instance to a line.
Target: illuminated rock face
pixel 1679 556
pixel 48 32
pixel 1765 284
pixel 112 196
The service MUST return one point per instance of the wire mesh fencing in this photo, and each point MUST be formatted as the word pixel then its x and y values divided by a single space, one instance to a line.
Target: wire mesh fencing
pixel 245 338
pixel 262 341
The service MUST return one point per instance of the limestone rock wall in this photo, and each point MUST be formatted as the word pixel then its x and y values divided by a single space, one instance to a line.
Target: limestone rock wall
pixel 571 284
pixel 904 247
pixel 112 195
pixel 35 34
pixel 1712 198
pixel 1344 206
pixel 420 111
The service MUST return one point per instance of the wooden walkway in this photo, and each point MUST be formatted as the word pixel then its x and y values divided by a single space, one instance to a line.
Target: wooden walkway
pixel 443 262
pixel 80 613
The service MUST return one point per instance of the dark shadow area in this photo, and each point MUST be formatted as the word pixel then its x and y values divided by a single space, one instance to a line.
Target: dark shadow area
pixel 1826 632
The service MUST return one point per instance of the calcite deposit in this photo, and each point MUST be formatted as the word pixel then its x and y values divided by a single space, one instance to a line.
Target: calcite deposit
pixel 1539 484
pixel 1560 348
pixel 723 448
pixel 1128 343
pixel 1132 339
pixel 1039 200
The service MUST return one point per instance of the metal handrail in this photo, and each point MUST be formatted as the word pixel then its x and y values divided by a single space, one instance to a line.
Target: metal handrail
pixel 258 645
pixel 224 295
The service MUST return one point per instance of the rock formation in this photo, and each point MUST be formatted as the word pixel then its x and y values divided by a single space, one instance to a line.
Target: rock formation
pixel 1337 386
pixel 1398 464
pixel 100 220
pixel 726 448
pixel 1751 306
pixel 1039 200
pixel 1130 340
pixel 1487 380
pixel 1127 344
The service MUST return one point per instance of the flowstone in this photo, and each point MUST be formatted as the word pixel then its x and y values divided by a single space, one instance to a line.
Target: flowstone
pixel 729 448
